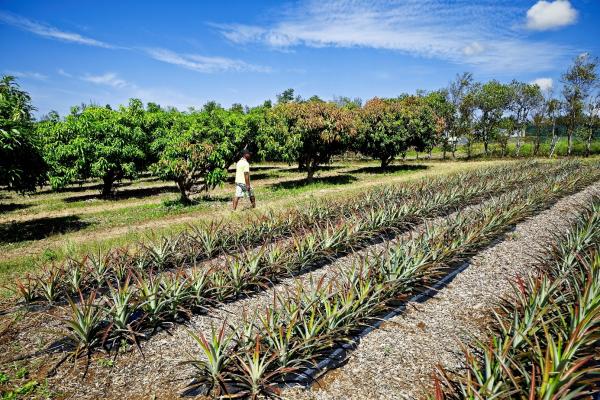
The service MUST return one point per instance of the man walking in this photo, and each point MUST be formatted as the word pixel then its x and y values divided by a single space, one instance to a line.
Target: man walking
pixel 242 180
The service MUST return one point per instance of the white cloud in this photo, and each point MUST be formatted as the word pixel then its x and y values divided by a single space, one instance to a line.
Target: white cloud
pixel 108 79
pixel 464 32
pixel 64 73
pixel 544 83
pixel 473 48
pixel 49 31
pixel 203 64
pixel 545 15
pixel 27 75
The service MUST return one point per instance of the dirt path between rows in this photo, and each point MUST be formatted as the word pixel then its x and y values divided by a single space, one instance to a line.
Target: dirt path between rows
pixel 397 361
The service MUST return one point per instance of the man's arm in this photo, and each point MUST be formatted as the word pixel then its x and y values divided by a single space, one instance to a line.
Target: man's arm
pixel 247 178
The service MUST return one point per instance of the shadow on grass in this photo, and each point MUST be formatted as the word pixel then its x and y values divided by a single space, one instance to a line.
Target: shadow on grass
pixel 204 198
pixel 85 186
pixel 79 188
pixel 322 168
pixel 138 193
pixel 38 229
pixel 343 179
pixel 7 207
pixel 215 199
pixel 390 169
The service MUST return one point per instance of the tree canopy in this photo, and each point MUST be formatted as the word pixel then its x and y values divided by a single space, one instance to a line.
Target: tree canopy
pixel 22 166
pixel 312 132
pixel 199 147
pixel 389 127
pixel 93 142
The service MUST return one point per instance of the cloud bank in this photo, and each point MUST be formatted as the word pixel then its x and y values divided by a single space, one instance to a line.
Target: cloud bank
pixel 480 33
pixel 204 64
pixel 49 31
pixel 545 15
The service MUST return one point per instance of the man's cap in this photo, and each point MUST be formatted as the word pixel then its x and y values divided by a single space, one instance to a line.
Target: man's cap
pixel 246 151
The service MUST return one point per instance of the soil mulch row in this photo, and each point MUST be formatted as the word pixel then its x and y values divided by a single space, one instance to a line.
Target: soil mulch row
pixel 398 360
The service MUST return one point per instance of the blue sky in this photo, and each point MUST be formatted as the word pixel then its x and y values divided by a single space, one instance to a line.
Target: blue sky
pixel 184 53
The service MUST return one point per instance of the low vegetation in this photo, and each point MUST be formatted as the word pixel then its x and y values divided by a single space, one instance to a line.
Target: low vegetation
pixel 87 307
pixel 545 337
pixel 118 300
pixel 305 324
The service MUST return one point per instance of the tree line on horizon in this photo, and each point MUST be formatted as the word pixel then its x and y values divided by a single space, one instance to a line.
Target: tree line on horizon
pixel 195 147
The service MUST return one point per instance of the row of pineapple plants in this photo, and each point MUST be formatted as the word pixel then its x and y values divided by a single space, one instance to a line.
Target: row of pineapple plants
pixel 383 210
pixel 544 343
pixel 255 357
pixel 135 306
pixel 206 240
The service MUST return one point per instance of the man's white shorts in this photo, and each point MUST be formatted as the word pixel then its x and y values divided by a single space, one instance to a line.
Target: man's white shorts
pixel 241 190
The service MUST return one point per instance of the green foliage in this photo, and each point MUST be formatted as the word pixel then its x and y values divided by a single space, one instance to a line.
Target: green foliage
pixel 311 132
pixel 287 96
pixel 491 99
pixel 22 167
pixel 579 82
pixel 93 142
pixel 443 111
pixel 200 146
pixel 383 130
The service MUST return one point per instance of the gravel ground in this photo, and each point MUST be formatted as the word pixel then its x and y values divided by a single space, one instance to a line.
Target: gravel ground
pixel 398 360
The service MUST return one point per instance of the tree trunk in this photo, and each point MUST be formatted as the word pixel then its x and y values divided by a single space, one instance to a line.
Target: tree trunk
pixel 588 145
pixel 310 170
pixel 107 184
pixel 301 165
pixel 553 146
pixel 554 140
pixel 385 162
pixel 454 150
pixel 183 196
pixel 485 147
pixel 570 140
pixel 518 152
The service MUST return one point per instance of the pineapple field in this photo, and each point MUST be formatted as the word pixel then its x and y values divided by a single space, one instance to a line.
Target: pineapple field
pixel 480 283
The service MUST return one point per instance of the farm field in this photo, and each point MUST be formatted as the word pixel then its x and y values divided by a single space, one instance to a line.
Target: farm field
pixel 49 226
pixel 263 303
pixel 300 200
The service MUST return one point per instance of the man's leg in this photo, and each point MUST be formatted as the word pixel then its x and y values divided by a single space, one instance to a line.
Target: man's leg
pixel 253 201
pixel 236 196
